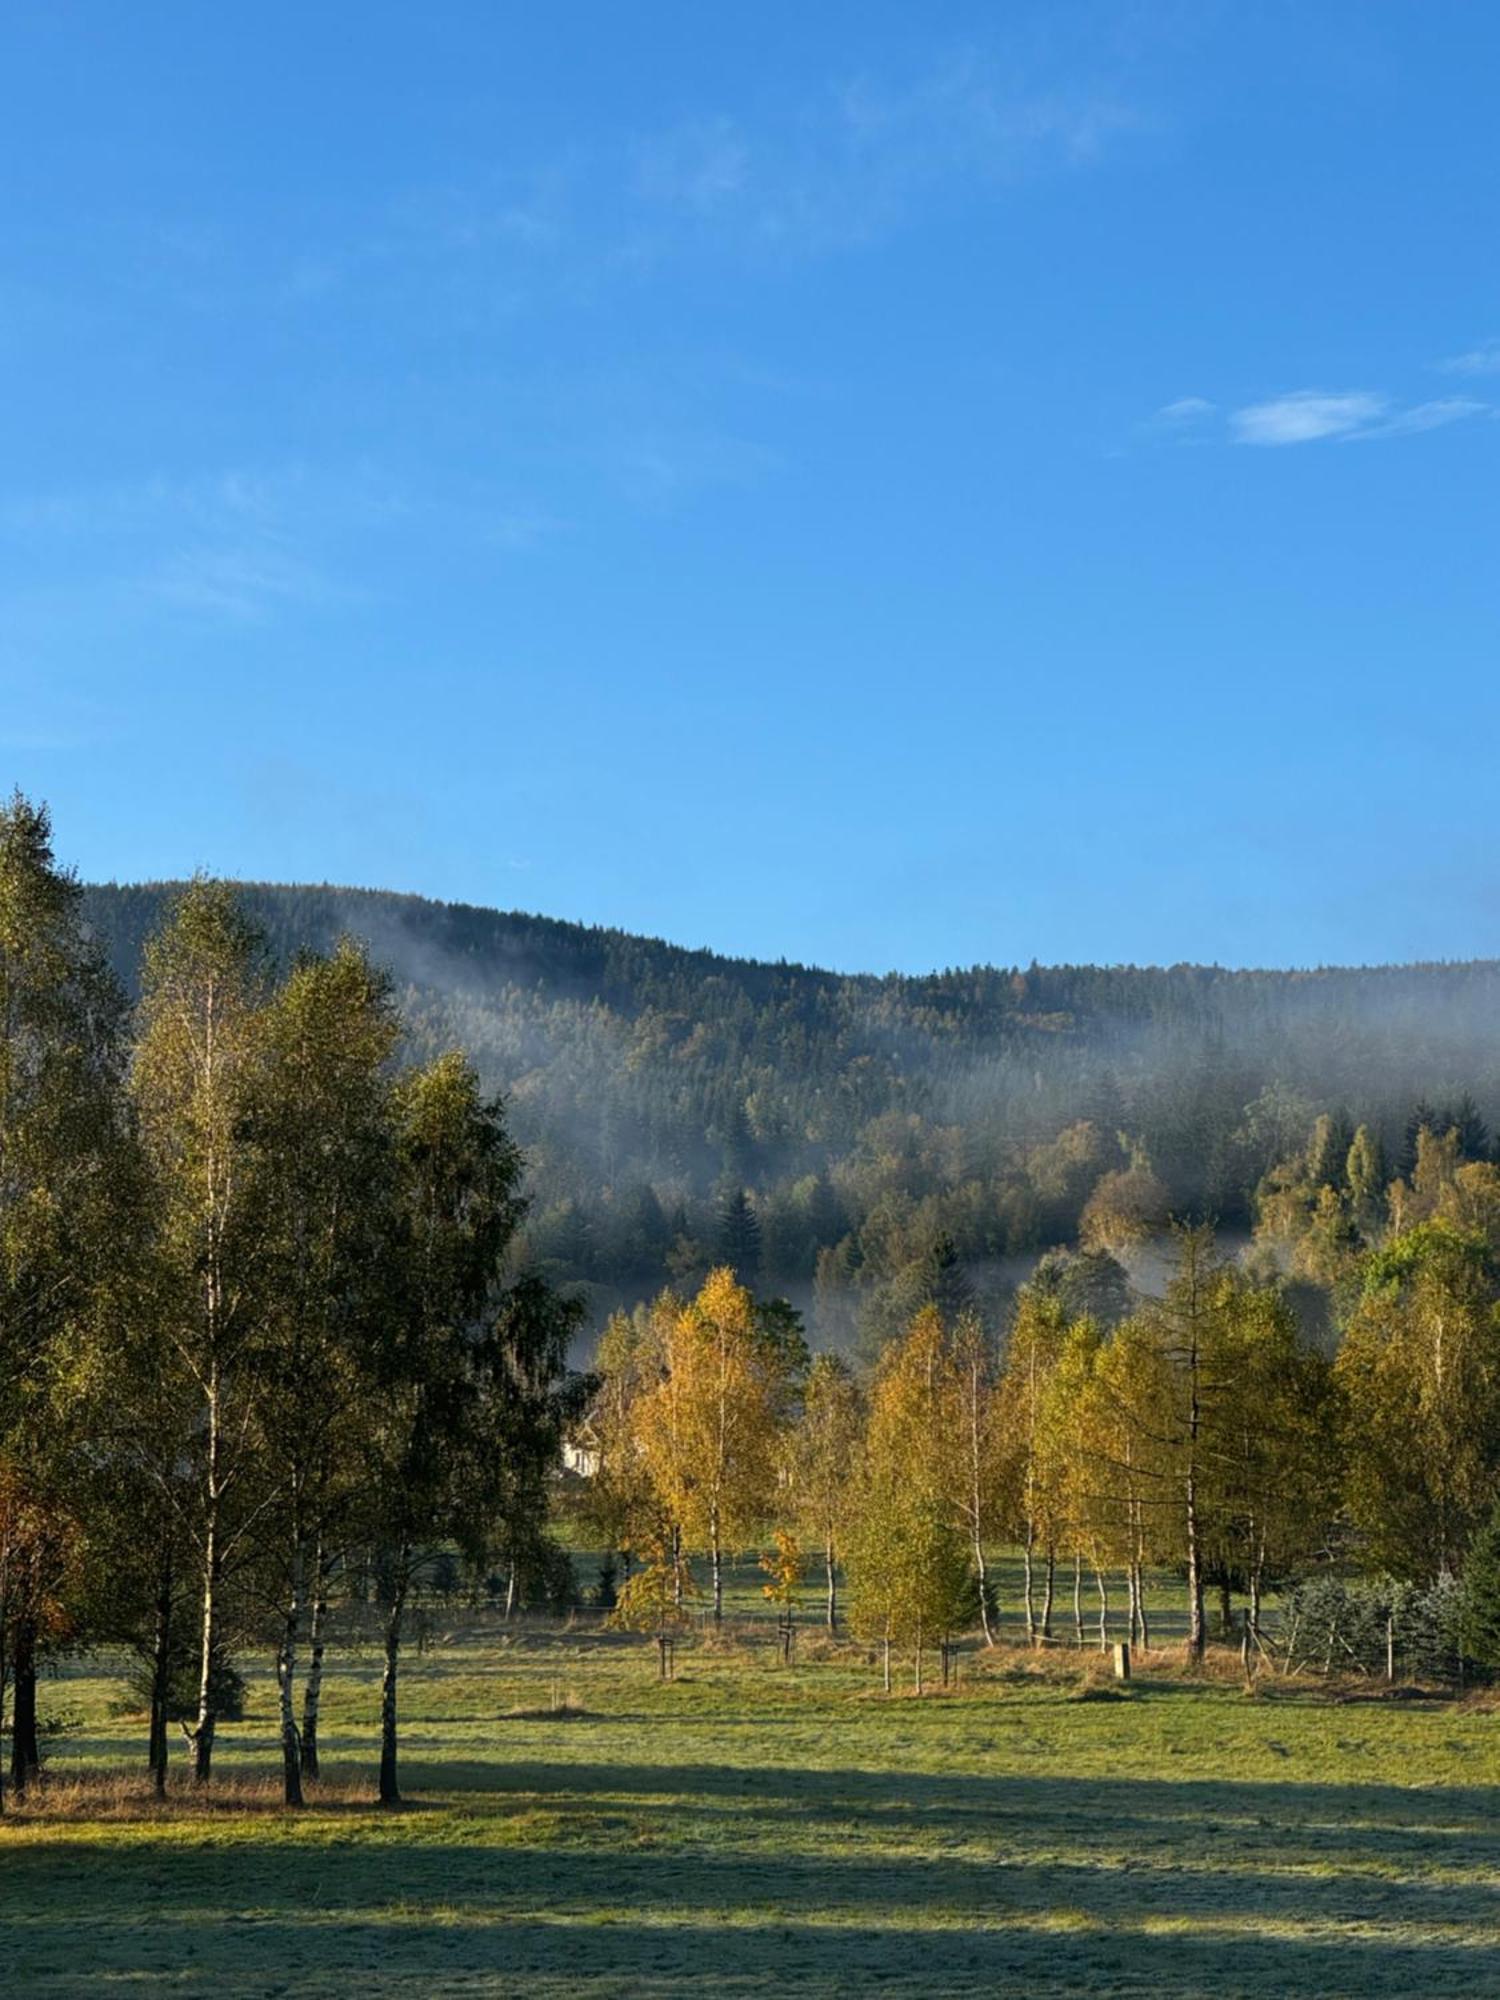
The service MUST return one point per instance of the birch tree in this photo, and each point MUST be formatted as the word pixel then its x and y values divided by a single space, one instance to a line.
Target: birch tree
pixel 976 1448
pixel 824 1463
pixel 1022 1453
pixel 1126 1436
pixel 330 1031
pixel 198 1083
pixel 620 1501
pixel 709 1428
pixel 909 1560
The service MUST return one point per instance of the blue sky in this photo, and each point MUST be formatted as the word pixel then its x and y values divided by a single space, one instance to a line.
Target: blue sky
pixel 887 486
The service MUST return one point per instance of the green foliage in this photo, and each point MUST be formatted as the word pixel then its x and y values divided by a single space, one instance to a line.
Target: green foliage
pixel 1481 1593
pixel 226 1684
pixel 1419 1369
pixel 1335 1624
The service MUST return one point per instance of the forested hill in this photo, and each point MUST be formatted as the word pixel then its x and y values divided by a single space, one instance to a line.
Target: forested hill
pixel 676 1104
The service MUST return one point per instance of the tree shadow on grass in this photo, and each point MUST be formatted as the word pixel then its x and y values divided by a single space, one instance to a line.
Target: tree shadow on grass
pixel 380 1941
pixel 651 1880
pixel 1028 1801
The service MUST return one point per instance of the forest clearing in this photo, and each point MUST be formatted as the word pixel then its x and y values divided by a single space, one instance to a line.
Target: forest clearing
pixel 575 1825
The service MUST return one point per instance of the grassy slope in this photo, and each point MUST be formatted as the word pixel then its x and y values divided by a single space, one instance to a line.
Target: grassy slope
pixel 766 1831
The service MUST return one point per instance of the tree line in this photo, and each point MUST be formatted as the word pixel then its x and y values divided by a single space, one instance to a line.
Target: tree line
pixel 264 1334
pixel 1203 1432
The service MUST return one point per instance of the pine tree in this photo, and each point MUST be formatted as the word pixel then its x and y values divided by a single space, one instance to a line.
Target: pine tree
pixel 737 1240
pixel 470 1381
pixel 945 1284
pixel 1328 1150
pixel 1463 1119
pixel 1481 1594
pixel 1365 1173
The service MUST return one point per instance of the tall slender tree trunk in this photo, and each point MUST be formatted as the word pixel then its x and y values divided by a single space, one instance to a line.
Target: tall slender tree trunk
pixel 202 1733
pixel 676 1567
pixel 981 1576
pixel 25 1750
pixel 1140 1598
pixel 312 1693
pixel 4 1675
pixel 1077 1598
pixel 1197 1638
pixel 161 1682
pixel 1051 1593
pixel 286 1680
pixel 1226 1606
pixel 1101 1582
pixel 1030 1582
pixel 833 1586
pixel 716 1558
pixel 390 1791
pixel 976 1491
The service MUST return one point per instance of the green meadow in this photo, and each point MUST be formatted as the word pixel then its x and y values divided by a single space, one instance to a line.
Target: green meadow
pixel 575 1826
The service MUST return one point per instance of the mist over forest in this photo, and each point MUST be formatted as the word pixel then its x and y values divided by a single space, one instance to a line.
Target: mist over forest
pixel 860 1142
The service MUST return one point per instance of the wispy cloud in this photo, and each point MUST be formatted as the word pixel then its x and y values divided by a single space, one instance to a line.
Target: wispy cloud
pixel 1481 360
pixel 1187 413
pixel 1319 416
pixel 849 166
pixel 244 545
pixel 244 582
pixel 832 170
pixel 1428 417
pixel 1307 415
pixel 235 545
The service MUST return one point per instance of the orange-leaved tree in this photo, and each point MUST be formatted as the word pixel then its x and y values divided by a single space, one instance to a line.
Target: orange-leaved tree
pixel 709 1428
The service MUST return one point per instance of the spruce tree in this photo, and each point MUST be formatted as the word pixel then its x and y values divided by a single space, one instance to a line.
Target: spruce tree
pixel 737 1241
pixel 1481 1594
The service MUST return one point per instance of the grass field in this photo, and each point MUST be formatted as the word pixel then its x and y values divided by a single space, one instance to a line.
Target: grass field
pixel 751 1829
